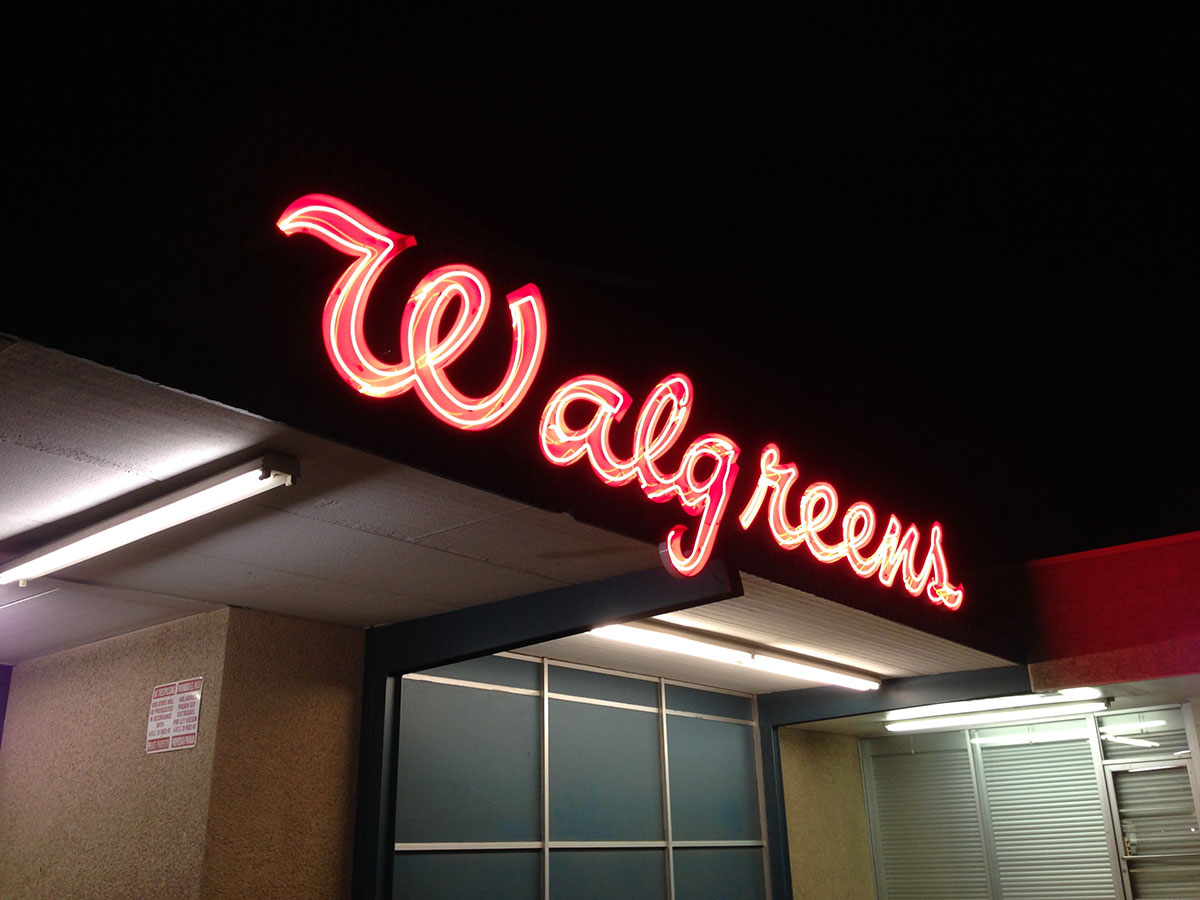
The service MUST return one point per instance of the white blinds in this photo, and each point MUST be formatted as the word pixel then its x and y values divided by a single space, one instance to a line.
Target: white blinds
pixel 1031 811
pixel 925 822
pixel 1046 821
pixel 1007 813
pixel 1159 831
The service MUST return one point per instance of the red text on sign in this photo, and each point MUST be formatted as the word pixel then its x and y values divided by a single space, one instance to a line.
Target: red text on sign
pixel 659 424
pixel 704 478
pixel 426 356
pixel 818 509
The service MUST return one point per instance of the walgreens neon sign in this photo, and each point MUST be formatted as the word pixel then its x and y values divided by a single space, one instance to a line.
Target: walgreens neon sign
pixel 811 521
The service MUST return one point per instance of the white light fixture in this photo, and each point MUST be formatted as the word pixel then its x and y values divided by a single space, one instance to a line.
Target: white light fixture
pixel 1068 695
pixel 660 636
pixel 208 495
pixel 969 720
pixel 1107 733
pixel 1034 737
pixel 1132 742
pixel 656 640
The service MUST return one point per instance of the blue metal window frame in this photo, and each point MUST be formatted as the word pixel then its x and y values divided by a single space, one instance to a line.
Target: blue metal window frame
pixel 395 650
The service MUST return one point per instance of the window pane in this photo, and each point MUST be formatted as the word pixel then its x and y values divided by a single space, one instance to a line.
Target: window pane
pixel 581 683
pixel 717 873
pixel 467 875
pixel 607 875
pixel 713 791
pixel 469 765
pixel 518 673
pixel 711 703
pixel 605 773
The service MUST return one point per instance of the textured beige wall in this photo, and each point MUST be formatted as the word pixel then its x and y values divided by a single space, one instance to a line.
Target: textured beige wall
pixel 281 814
pixel 262 807
pixel 828 842
pixel 85 812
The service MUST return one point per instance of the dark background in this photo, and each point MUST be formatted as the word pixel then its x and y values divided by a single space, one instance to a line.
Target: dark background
pixel 945 259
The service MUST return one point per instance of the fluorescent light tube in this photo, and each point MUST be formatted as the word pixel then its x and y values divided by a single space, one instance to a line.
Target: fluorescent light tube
pixel 658 637
pixel 1035 737
pixel 208 495
pixel 810 673
pixel 988 703
pixel 1133 742
pixel 657 640
pixel 1000 715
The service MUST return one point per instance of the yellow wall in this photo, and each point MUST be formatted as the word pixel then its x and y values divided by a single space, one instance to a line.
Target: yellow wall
pixel 828 841
pixel 261 807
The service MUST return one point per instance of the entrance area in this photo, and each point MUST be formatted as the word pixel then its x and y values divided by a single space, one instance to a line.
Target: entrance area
pixel 1102 805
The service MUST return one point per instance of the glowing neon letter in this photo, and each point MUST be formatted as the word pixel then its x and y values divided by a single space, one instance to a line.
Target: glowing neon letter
pixel 354 233
pixel 563 445
pixel 818 509
pixel 659 423
pixel 858 525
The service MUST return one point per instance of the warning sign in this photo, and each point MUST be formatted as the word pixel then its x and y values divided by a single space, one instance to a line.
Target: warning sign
pixel 174 716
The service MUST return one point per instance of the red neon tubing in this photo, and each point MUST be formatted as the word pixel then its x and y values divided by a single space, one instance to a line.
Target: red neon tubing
pixel 351 231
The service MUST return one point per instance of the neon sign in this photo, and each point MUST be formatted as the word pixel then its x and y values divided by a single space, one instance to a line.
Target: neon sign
pixel 672 399
pixel 351 231
pixel 660 420
pixel 818 509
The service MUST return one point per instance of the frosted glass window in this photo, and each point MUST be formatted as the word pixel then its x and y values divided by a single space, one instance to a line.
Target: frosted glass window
pixel 582 683
pixel 711 703
pixel 714 795
pixel 605 773
pixel 505 670
pixel 469 764
pixel 468 875
pixel 508 787
pixel 719 873
pixel 608 875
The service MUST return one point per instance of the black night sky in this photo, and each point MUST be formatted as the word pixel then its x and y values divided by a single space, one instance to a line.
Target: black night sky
pixel 944 259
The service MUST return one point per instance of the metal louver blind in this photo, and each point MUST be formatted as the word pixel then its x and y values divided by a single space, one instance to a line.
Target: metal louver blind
pixel 1047 821
pixel 930 846
pixel 1168 741
pixel 1158 822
